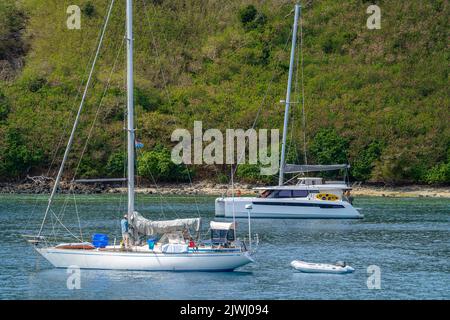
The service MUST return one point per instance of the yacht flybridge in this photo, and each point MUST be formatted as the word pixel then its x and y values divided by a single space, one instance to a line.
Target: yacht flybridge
pixel 310 198
pixel 177 246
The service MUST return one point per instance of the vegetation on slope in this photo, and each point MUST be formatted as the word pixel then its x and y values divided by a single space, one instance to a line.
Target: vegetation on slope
pixel 378 99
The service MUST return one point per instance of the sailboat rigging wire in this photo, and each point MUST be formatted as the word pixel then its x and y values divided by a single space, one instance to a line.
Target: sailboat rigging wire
pixel 168 96
pixel 78 215
pixel 232 195
pixel 66 125
pixel 75 125
pixel 226 56
pixel 60 222
pixel 162 199
pixel 156 50
pixel 107 86
pixel 263 100
pixel 303 91
pixel 61 215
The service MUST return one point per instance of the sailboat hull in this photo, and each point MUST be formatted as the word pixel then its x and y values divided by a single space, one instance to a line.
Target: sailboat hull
pixel 113 260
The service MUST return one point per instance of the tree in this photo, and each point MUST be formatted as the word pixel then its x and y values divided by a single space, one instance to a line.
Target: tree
pixel 364 163
pixel 16 157
pixel 439 174
pixel 116 164
pixel 251 18
pixel 328 147
pixel 157 165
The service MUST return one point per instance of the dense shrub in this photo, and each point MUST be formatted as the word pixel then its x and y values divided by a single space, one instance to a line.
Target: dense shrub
pixel 330 45
pixel 251 173
pixel 248 14
pixel 36 84
pixel 251 18
pixel 399 165
pixel 362 166
pixel 157 165
pixel 223 178
pixel 88 9
pixel 148 99
pixel 4 107
pixel 17 158
pixel 328 147
pixel 88 169
pixel 116 165
pixel 439 174
pixel 12 25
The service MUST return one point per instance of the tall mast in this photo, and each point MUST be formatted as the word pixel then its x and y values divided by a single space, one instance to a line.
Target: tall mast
pixel 288 96
pixel 130 108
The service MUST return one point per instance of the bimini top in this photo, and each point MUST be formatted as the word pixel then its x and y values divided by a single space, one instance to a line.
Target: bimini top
pixel 335 186
pixel 292 168
pixel 221 225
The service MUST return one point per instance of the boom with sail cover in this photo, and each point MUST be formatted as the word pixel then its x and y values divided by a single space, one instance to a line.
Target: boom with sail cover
pixel 294 168
pixel 145 227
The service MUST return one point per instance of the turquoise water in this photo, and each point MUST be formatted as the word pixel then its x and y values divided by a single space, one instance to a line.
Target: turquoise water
pixel 408 239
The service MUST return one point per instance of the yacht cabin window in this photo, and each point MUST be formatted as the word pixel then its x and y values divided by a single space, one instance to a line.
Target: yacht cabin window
pixel 299 193
pixel 284 194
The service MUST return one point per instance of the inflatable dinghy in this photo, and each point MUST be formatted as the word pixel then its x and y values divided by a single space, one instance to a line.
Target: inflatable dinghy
pixel 339 267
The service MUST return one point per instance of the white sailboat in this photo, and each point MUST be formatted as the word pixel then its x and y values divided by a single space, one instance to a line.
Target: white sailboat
pixel 175 250
pixel 310 198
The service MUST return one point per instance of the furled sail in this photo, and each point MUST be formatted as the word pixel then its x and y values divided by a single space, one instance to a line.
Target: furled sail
pixel 291 168
pixel 146 227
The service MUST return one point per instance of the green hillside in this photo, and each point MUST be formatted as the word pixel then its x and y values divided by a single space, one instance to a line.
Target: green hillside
pixel 382 96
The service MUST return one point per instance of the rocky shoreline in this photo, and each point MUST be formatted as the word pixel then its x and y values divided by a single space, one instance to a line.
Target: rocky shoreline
pixel 44 186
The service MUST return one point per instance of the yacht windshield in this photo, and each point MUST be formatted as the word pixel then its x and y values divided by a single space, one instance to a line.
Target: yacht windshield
pixel 265 194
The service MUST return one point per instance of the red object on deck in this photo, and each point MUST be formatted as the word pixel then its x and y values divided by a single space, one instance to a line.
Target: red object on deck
pixel 75 246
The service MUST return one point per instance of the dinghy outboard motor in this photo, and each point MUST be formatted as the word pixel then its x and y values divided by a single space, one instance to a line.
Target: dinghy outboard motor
pixel 341 264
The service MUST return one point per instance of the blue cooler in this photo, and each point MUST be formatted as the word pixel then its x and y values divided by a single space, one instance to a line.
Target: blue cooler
pixel 100 240
pixel 151 243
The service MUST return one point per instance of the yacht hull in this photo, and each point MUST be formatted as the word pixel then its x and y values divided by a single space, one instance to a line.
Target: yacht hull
pixel 285 208
pixel 113 260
